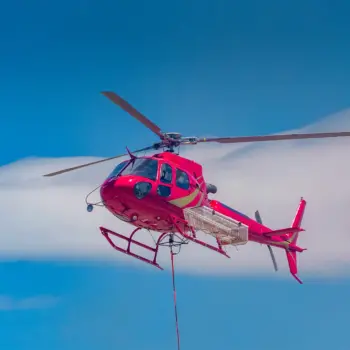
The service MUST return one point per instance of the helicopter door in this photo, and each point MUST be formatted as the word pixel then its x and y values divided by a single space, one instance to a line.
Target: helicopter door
pixel 185 191
pixel 165 180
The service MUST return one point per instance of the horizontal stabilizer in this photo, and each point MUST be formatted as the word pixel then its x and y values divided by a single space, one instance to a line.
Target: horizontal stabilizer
pixel 284 231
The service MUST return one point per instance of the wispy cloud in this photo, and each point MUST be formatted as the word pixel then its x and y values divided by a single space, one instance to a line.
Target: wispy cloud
pixel 8 303
pixel 47 218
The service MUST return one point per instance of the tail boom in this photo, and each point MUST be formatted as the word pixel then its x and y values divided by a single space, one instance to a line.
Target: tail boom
pixel 283 231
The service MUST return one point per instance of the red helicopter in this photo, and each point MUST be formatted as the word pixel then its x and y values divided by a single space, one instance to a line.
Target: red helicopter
pixel 167 193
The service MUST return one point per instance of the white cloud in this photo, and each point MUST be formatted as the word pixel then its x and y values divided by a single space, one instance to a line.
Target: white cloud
pixel 8 303
pixel 47 217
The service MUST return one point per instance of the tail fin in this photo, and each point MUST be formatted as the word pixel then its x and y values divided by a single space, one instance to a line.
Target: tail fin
pixel 292 249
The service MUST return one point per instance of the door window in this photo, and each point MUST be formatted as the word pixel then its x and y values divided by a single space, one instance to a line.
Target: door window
pixel 166 173
pixel 182 179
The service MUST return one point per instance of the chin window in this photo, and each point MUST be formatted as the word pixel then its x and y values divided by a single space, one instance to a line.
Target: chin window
pixel 141 189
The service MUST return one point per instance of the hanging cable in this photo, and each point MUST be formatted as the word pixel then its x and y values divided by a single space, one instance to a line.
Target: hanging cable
pixel 174 290
pixel 172 242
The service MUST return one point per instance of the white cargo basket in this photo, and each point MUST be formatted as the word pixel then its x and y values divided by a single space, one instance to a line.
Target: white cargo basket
pixel 220 226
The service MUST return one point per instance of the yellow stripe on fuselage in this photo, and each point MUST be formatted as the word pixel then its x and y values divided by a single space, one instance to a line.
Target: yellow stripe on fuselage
pixel 183 201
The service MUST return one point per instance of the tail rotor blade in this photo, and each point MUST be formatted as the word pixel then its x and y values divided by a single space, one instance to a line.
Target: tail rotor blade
pixel 258 219
pixel 273 258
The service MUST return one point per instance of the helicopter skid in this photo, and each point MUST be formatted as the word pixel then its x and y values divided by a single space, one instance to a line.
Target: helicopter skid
pixel 190 236
pixel 106 233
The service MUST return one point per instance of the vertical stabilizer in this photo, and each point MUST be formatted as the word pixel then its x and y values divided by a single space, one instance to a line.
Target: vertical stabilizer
pixel 292 249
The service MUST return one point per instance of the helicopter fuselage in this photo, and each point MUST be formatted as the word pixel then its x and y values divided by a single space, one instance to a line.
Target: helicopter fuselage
pixel 146 191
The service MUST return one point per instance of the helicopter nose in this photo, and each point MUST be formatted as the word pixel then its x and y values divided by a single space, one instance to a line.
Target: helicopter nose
pixel 107 190
pixel 120 188
pixel 125 189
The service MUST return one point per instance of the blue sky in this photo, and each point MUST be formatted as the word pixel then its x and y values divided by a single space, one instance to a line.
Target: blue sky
pixel 202 68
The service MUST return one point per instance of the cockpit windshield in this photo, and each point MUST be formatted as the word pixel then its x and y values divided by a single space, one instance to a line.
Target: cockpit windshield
pixel 117 169
pixel 145 167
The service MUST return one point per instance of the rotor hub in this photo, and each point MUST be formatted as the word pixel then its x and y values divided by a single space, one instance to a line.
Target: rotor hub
pixel 173 135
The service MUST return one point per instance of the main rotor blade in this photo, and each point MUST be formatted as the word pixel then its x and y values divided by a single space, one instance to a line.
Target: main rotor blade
pixel 275 137
pixel 127 107
pixel 81 166
pixel 59 172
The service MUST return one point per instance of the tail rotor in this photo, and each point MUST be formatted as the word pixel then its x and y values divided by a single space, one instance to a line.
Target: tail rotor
pixel 258 219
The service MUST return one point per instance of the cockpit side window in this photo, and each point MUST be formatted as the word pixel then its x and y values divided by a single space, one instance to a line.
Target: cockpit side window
pixel 166 173
pixel 182 179
pixel 145 167
pixel 117 169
